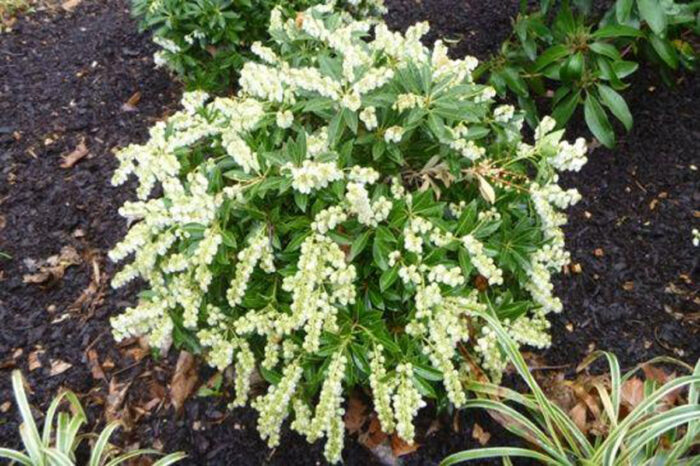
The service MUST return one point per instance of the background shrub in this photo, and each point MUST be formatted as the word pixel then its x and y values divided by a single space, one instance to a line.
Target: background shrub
pixel 340 220
pixel 584 58
pixel 207 41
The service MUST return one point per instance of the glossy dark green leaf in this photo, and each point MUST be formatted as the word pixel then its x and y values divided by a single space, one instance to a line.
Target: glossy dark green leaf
pixel 358 245
pixel 598 122
pixel 616 30
pixel 616 104
pixel 563 110
pixel 623 8
pixel 514 81
pixel 388 277
pixel 653 13
pixel 602 48
pixel 551 55
pixel 665 50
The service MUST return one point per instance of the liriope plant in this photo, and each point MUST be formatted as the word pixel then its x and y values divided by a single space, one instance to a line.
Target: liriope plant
pixel 339 222
pixel 652 433
pixel 56 445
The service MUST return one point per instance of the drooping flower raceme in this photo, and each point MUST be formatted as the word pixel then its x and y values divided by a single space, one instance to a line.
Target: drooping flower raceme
pixel 342 221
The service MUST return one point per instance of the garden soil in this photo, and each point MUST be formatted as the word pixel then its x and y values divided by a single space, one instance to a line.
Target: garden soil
pixel 76 84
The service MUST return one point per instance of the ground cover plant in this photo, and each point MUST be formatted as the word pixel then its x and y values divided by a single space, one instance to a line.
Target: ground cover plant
pixel 207 41
pixel 57 446
pixel 640 423
pixel 584 59
pixel 338 222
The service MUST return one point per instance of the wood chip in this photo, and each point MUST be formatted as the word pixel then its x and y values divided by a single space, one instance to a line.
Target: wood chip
pixel 69 5
pixel 95 367
pixel 80 152
pixel 59 367
pixel 480 435
pixel 131 104
pixel 33 360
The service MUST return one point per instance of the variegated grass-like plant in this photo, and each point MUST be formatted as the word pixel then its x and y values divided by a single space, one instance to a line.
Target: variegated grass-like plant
pixel 650 434
pixel 57 446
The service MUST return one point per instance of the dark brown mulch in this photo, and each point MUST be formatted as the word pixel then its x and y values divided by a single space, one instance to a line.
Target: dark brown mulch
pixel 64 77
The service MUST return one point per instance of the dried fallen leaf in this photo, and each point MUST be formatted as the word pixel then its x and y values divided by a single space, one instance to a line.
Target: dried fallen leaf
pixel 130 105
pixel 628 286
pixel 356 415
pixel 115 399
pixel 598 252
pixel 400 447
pixel 94 364
pixel 54 267
pixel 374 435
pixel 78 153
pixel 632 392
pixel 578 415
pixel 480 435
pixel 184 380
pixel 59 367
pixel 5 407
pixel 69 5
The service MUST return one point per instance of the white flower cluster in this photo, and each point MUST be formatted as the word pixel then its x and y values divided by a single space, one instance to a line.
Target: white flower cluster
pixel 483 263
pixel 314 175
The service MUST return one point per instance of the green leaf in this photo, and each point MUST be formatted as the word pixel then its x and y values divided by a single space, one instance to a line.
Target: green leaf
pixel 551 55
pixel 514 81
pixel 653 13
pixel 615 30
pixel 597 121
pixel 602 48
pixel 563 110
pixel 388 278
pixel 624 68
pixel 573 67
pixel 665 50
pixel 623 8
pixel 616 104
pixel 359 245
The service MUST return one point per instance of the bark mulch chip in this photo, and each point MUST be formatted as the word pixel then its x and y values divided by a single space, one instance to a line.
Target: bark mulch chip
pixel 64 80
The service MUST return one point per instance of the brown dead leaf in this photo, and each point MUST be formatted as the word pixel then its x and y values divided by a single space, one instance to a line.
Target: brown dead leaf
pixel 599 252
pixel 59 367
pixel 632 392
pixel 54 267
pixel 184 380
pixel 374 435
pixel 578 415
pixel 131 104
pixel 94 364
pixel 480 435
pixel 356 415
pixel 115 400
pixel 5 407
pixel 93 295
pixel 656 374
pixel 400 447
pixel 78 154
pixel 628 286
pixel 69 5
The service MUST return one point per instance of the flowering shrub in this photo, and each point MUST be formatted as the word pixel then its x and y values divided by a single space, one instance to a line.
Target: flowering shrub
pixel 339 222
pixel 206 41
